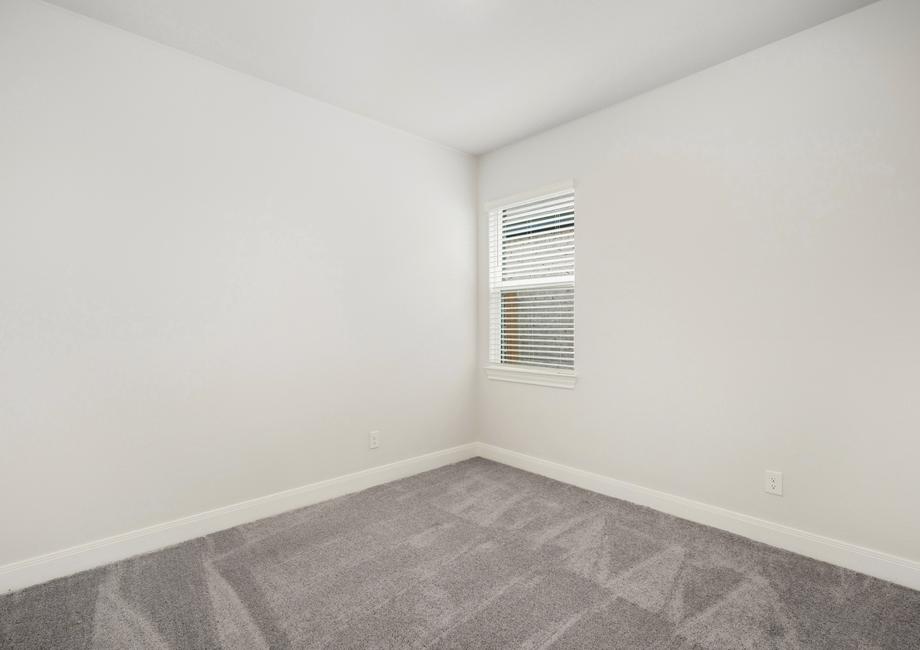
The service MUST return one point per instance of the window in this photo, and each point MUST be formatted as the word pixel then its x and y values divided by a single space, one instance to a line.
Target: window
pixel 532 289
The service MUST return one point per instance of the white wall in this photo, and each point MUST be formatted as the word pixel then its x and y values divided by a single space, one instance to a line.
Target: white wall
pixel 211 288
pixel 196 304
pixel 748 284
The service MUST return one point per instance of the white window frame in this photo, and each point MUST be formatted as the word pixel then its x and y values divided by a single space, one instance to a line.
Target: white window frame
pixel 553 377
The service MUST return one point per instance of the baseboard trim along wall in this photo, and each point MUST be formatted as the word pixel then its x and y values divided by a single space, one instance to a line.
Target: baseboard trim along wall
pixel 42 568
pixel 833 551
pixel 35 570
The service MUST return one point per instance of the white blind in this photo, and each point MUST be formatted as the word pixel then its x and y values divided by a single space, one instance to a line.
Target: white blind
pixel 532 282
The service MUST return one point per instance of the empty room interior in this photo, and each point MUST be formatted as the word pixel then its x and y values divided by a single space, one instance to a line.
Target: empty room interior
pixel 460 324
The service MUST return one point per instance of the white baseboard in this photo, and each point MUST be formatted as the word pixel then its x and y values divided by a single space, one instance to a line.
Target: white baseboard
pixel 851 556
pixel 42 568
pixel 24 573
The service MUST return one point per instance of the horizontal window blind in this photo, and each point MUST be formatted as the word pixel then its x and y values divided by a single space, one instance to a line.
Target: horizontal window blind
pixel 532 282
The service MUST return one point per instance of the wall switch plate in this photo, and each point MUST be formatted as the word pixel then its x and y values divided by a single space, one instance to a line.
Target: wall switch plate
pixel 374 439
pixel 773 482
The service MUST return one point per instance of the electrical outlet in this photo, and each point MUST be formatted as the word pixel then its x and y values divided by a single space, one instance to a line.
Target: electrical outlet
pixel 773 482
pixel 374 439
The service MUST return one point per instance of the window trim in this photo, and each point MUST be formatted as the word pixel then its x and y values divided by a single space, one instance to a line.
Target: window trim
pixel 524 197
pixel 534 375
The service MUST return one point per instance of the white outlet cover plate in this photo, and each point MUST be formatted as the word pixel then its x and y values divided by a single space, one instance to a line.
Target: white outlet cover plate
pixel 773 482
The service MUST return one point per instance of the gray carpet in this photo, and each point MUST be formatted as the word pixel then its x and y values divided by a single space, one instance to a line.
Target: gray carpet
pixel 473 555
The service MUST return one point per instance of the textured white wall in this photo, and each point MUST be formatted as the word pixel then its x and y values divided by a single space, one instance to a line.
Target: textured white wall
pixel 211 288
pixel 748 268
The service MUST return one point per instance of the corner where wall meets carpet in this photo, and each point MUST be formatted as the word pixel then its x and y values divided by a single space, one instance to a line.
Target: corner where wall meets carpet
pixel 475 554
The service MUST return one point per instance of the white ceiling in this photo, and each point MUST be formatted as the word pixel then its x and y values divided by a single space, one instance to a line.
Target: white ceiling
pixel 472 74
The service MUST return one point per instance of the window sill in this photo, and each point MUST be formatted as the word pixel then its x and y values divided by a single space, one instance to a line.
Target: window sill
pixel 536 376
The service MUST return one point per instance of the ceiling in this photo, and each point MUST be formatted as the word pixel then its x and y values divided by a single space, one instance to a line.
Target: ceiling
pixel 471 74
